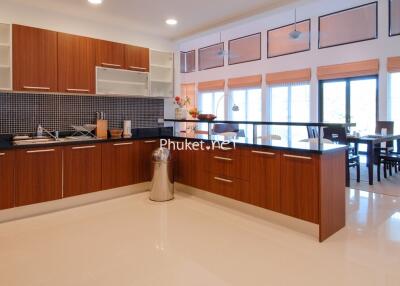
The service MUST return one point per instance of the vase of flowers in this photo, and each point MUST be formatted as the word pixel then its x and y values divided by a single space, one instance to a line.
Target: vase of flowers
pixel 180 111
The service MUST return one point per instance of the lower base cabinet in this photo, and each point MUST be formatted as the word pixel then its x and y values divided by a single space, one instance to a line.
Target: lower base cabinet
pixel 82 169
pixel 7 193
pixel 299 190
pixel 146 148
pixel 38 175
pixel 265 179
pixel 120 164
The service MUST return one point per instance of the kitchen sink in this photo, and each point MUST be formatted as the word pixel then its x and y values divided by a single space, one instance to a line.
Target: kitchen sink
pixel 49 140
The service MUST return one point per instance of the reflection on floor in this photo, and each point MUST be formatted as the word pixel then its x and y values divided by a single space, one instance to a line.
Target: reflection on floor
pixel 190 241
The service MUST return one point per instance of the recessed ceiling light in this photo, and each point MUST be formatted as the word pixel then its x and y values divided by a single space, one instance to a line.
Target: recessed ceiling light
pixel 171 22
pixel 96 2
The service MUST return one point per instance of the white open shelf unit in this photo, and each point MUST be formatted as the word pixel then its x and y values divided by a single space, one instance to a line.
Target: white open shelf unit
pixel 161 74
pixel 121 82
pixel 5 57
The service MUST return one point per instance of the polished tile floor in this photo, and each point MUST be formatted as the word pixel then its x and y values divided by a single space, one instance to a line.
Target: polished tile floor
pixel 190 241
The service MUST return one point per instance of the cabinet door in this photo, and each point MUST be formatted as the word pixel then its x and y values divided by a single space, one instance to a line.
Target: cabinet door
pixel 190 170
pixel 119 164
pixel 265 179
pixel 299 186
pixel 34 59
pixel 6 179
pixel 76 64
pixel 146 148
pixel 82 169
pixel 110 54
pixel 38 175
pixel 137 58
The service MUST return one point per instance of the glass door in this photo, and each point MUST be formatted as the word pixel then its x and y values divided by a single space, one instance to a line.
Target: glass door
pixel 352 100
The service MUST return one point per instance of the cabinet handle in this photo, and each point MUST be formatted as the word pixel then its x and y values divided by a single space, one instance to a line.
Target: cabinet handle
pixel 263 153
pixel 2 154
pixel 297 157
pixel 223 180
pixel 150 141
pixel 77 90
pixel 83 147
pixel 40 151
pixel 222 158
pixel 37 87
pixel 110 65
pixel 123 144
pixel 137 68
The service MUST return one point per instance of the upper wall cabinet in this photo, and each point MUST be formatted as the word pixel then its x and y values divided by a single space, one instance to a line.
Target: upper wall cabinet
pixel 76 64
pixel 110 54
pixel 161 74
pixel 137 58
pixel 34 59
pixel 5 57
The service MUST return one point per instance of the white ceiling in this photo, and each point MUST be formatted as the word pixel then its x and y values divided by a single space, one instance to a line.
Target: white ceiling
pixel 148 16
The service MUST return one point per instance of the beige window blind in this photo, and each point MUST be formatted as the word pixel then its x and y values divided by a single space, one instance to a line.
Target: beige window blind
pixel 393 64
pixel 293 76
pixel 353 69
pixel 245 82
pixel 211 85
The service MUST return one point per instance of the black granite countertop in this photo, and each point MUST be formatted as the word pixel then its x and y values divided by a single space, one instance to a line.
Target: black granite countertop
pixel 302 147
pixel 167 133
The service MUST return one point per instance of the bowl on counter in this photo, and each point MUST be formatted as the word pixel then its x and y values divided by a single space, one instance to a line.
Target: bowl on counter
pixel 116 133
pixel 207 117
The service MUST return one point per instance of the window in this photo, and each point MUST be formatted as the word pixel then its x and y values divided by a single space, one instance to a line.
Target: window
pixel 394 100
pixel 349 26
pixel 211 57
pixel 351 100
pixel 394 17
pixel 188 61
pixel 290 103
pixel 209 102
pixel 245 49
pixel 249 103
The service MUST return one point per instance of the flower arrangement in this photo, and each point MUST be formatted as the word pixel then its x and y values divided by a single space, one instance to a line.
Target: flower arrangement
pixel 182 102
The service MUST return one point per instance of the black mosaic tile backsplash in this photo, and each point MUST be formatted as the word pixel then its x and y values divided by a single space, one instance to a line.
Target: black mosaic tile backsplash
pixel 22 113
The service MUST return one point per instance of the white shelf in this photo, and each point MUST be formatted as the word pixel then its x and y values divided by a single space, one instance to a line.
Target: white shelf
pixel 5 57
pixel 161 66
pixel 161 81
pixel 121 82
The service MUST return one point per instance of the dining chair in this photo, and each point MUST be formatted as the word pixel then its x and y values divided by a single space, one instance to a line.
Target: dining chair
pixel 387 147
pixel 339 135
pixel 313 131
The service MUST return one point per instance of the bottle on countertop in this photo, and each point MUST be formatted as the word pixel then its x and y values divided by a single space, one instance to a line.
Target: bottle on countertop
pixel 39 131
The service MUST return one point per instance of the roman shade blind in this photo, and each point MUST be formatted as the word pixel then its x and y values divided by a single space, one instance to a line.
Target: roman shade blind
pixel 244 82
pixel 393 64
pixel 353 69
pixel 211 85
pixel 293 76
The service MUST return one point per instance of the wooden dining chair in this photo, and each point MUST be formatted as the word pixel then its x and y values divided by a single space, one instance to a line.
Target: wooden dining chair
pixel 388 147
pixel 339 135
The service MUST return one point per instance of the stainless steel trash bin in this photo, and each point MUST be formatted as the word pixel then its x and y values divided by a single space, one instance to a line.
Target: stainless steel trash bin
pixel 162 184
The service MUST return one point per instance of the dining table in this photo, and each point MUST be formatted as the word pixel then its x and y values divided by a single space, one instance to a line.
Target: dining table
pixel 371 141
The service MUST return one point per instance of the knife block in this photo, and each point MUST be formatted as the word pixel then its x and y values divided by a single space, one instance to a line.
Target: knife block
pixel 101 129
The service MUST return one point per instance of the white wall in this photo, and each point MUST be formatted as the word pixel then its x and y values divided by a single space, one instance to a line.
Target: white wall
pixel 381 48
pixel 17 13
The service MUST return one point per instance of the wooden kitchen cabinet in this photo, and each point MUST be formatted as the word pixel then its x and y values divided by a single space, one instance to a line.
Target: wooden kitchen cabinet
pixel 38 175
pixel 7 179
pixel 299 186
pixel 110 54
pixel 146 148
pixel 76 64
pixel 137 58
pixel 34 59
pixel 264 178
pixel 120 164
pixel 82 169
